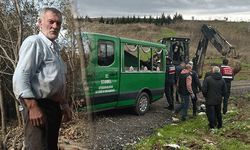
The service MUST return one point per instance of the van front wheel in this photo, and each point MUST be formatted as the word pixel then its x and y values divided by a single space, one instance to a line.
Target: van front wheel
pixel 142 104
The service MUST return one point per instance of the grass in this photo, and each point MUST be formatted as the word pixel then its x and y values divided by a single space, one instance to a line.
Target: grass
pixel 218 61
pixel 196 132
pixel 245 66
pixel 166 33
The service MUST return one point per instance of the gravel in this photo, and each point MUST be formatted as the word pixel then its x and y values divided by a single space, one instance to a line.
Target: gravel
pixel 117 129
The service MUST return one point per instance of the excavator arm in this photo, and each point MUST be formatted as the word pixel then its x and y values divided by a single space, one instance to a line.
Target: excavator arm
pixel 218 41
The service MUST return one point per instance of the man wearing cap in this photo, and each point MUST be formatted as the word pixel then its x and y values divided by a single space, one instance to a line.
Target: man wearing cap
pixel 211 67
pixel 169 83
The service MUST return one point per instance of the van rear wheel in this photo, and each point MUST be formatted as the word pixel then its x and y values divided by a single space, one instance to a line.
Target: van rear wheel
pixel 142 104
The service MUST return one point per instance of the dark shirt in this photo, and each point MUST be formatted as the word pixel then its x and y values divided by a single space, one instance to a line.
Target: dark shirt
pixel 170 74
pixel 176 49
pixel 208 74
pixel 178 70
pixel 213 89
pixel 148 64
pixel 195 82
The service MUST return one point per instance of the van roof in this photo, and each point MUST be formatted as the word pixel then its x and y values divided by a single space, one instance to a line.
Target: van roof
pixel 129 41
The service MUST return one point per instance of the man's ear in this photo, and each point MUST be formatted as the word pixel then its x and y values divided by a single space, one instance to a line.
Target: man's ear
pixel 40 22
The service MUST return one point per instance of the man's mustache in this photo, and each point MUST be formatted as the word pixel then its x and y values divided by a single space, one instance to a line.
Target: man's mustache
pixel 53 30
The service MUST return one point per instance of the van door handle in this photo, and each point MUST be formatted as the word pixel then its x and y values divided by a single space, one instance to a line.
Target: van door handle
pixel 113 74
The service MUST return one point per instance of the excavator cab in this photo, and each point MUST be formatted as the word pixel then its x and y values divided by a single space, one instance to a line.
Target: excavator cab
pixel 177 48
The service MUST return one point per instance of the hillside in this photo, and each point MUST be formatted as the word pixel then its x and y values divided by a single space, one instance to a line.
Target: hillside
pixel 236 33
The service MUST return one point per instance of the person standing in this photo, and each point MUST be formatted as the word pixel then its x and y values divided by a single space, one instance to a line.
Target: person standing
pixel 185 89
pixel 213 89
pixel 207 75
pixel 169 83
pixel 177 73
pixel 177 49
pixel 39 83
pixel 228 76
pixel 195 83
pixel 211 67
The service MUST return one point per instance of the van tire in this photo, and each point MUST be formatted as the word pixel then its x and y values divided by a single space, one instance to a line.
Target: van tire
pixel 142 104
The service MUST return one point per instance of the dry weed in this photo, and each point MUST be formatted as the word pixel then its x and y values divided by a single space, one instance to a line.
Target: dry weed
pixel 234 32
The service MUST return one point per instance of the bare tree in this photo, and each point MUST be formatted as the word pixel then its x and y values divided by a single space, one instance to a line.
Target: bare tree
pixel 15 17
pixel 3 116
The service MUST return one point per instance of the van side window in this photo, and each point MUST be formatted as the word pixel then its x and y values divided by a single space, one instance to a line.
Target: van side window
pixel 130 58
pixel 105 53
pixel 158 60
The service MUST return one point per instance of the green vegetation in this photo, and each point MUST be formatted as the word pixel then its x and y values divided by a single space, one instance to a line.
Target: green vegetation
pixel 244 78
pixel 242 28
pixel 233 135
pixel 166 33
pixel 218 61
pixel 247 96
pixel 245 66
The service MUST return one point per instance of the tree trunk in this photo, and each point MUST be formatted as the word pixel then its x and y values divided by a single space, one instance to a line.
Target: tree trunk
pixel 84 79
pixel 73 75
pixel 3 116
pixel 18 45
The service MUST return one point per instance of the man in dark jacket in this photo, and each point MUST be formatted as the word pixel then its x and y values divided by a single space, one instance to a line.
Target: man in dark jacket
pixel 213 89
pixel 228 76
pixel 211 67
pixel 185 89
pixel 207 75
pixel 169 83
pixel 177 50
pixel 177 73
pixel 195 83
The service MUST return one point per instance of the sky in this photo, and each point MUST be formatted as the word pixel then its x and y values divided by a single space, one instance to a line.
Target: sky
pixel 234 10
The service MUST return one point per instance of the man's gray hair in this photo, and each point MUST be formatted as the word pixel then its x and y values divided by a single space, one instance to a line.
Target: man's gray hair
pixel 54 10
pixel 188 66
pixel 216 69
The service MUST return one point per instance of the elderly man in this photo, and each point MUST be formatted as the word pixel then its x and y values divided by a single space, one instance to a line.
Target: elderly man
pixel 213 89
pixel 39 83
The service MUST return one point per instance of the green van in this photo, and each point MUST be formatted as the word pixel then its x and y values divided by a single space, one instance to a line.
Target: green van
pixel 123 73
